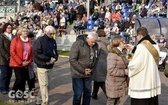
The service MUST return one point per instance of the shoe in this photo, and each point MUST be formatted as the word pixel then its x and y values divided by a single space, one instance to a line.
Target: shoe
pixel 35 93
pixel 4 92
pixel 94 97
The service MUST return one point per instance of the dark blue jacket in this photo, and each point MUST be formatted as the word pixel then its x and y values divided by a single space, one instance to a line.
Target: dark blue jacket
pixel 45 48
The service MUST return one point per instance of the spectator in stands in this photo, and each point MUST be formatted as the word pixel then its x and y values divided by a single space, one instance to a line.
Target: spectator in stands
pixel 39 32
pixel 30 6
pixel 80 10
pixel 102 6
pixel 71 14
pixel 107 30
pixel 118 7
pixel 21 58
pixel 159 3
pixel 62 25
pixel 118 15
pixel 6 71
pixel 100 72
pixel 102 13
pixel 95 15
pixel 84 18
pixel 107 22
pixel 129 34
pixel 79 25
pixel 108 14
pixel 113 12
pixel 101 24
pixel 155 10
pixel 121 25
pixel 153 37
pixel 135 7
pixel 115 30
pixel 133 20
pixel 127 23
pixel 143 11
pixel 162 42
pixel 92 5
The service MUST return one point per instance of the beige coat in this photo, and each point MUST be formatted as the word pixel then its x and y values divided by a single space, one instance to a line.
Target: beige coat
pixel 116 85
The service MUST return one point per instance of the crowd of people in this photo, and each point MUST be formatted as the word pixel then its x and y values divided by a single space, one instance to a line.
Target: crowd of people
pixel 101 56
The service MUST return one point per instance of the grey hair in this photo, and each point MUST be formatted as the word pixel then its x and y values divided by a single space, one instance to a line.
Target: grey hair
pixel 48 29
pixel 92 35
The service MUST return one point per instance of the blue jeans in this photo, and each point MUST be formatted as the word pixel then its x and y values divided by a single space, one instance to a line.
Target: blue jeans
pixel 81 86
pixel 6 74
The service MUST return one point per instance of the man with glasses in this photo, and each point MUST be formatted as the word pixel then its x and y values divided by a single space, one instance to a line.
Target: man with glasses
pixel 144 84
pixel 83 57
pixel 45 54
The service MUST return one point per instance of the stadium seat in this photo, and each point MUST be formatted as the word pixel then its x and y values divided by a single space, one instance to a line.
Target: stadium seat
pixel 89 28
pixel 90 22
pixel 96 23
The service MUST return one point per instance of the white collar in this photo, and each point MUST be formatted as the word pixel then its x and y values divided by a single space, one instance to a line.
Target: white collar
pixel 8 35
pixel 24 40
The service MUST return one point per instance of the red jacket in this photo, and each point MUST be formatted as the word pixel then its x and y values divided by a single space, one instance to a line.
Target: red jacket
pixel 16 52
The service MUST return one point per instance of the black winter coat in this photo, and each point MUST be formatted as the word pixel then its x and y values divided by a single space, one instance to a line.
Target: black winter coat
pixel 4 49
pixel 44 49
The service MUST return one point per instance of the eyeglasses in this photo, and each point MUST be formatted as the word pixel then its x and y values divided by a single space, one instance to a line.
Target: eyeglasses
pixel 52 33
pixel 25 31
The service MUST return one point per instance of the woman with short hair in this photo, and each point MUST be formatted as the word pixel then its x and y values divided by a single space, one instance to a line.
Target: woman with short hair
pixel 21 58
pixel 116 84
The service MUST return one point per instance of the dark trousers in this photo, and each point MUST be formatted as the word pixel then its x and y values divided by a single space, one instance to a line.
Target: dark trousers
pixel 70 18
pixel 81 86
pixel 127 38
pixel 61 30
pixel 145 101
pixel 96 86
pixel 31 83
pixel 6 74
pixel 21 75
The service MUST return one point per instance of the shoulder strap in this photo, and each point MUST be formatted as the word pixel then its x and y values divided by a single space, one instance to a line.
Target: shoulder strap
pixel 152 50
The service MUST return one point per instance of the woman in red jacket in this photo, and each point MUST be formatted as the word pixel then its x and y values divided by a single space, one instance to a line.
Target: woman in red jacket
pixel 21 57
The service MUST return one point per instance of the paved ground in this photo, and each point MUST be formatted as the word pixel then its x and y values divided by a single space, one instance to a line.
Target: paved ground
pixel 61 89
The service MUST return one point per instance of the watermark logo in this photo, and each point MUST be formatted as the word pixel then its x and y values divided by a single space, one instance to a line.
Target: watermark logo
pixel 22 94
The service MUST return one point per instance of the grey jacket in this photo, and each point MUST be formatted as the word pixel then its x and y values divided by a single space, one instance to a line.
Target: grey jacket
pixel 99 74
pixel 80 57
pixel 116 84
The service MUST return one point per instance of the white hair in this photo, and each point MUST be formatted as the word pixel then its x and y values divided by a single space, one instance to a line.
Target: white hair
pixel 92 35
pixel 49 29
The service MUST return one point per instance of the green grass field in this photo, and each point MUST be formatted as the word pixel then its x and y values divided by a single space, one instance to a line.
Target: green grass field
pixel 63 53
pixel 3 103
